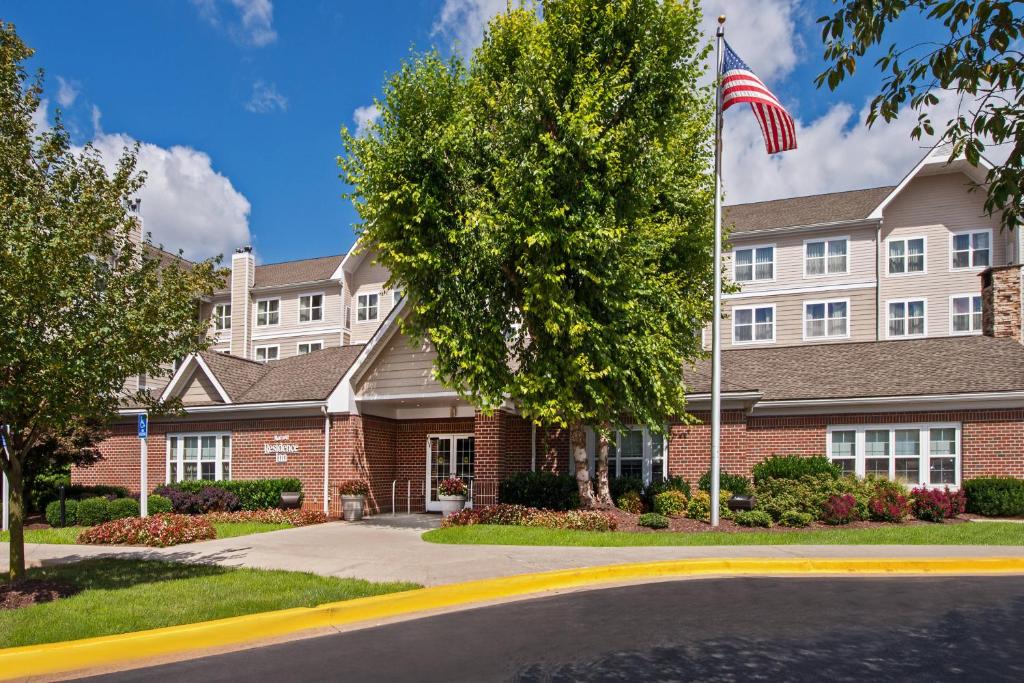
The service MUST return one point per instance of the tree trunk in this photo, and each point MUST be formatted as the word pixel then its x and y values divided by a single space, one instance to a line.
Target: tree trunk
pixel 604 494
pixel 578 443
pixel 17 508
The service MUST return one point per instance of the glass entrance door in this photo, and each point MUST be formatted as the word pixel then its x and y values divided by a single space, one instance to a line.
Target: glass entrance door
pixel 448 455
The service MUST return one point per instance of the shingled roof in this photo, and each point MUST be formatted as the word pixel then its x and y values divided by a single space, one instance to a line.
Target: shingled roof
pixel 309 377
pixel 811 210
pixel 291 272
pixel 941 365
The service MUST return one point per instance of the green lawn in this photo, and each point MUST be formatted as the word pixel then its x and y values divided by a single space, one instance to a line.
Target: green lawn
pixel 119 596
pixel 70 534
pixel 988 533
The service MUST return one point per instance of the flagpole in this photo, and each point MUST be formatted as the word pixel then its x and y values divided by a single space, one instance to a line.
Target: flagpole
pixel 716 320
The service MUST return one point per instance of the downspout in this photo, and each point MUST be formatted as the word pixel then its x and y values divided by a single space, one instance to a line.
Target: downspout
pixel 533 446
pixel 878 281
pixel 327 457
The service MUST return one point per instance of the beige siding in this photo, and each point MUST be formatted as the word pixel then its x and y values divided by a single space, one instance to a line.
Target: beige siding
pixel 789 320
pixel 369 278
pixel 401 369
pixel 243 274
pixel 221 338
pixel 936 207
pixel 289 331
pixel 198 390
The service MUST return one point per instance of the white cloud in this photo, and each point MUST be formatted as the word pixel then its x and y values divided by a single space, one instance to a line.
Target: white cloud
pixel 365 117
pixel 40 117
pixel 762 32
pixel 186 204
pixel 96 117
pixel 253 25
pixel 67 92
pixel 265 98
pixel 463 22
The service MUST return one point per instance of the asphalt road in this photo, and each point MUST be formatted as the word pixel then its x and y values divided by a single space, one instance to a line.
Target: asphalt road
pixel 906 629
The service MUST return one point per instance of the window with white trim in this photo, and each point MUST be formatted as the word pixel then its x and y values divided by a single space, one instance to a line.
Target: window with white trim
pixel 965 314
pixel 268 312
pixel 913 454
pixel 751 264
pixel 634 452
pixel 751 324
pixel 825 257
pixel 267 352
pixel 194 456
pixel 970 249
pixel 311 308
pixel 222 317
pixel 309 347
pixel 397 296
pixel 827 319
pixel 906 256
pixel 367 307
pixel 906 317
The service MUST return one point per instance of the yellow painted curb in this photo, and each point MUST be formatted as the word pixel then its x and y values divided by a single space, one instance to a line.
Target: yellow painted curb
pixel 37 660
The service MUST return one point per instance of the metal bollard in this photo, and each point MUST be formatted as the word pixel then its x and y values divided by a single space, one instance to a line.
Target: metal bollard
pixel 63 514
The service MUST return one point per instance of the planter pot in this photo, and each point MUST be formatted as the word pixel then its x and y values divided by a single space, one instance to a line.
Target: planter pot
pixel 290 499
pixel 352 508
pixel 451 504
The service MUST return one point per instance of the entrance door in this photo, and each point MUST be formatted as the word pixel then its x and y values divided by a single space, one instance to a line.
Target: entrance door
pixel 448 455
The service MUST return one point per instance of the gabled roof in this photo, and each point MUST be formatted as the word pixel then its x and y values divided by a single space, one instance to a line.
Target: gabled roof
pixel 834 207
pixel 294 272
pixel 918 367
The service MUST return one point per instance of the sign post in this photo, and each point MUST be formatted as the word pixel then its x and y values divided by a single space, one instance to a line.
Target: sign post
pixel 144 465
pixel 5 502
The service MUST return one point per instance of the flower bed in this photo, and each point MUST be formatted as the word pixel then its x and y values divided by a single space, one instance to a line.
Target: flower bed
pixel 518 515
pixel 269 516
pixel 159 531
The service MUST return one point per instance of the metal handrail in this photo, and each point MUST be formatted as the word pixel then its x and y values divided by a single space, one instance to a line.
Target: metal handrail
pixel 408 497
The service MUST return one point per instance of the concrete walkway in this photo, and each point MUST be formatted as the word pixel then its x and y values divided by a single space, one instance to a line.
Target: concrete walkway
pixel 383 551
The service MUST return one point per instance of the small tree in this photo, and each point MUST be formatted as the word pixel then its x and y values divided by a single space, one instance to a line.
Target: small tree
pixel 977 59
pixel 548 210
pixel 83 305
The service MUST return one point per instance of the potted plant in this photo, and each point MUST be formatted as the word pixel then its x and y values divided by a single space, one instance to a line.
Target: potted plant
pixel 353 495
pixel 452 494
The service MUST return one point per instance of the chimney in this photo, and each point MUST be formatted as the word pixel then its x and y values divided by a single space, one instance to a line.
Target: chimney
pixel 243 277
pixel 1001 302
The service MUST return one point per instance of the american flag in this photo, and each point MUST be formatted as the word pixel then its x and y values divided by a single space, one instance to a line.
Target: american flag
pixel 739 84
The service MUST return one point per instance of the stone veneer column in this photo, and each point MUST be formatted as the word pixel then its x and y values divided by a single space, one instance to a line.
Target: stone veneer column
pixel 243 276
pixel 1001 302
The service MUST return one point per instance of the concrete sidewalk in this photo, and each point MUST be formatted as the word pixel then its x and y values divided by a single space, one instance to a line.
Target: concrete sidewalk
pixel 383 551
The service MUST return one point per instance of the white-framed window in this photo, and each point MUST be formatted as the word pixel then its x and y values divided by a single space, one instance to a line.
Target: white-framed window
pixel 754 264
pixel 965 314
pixel 143 382
pixel 222 317
pixel 753 324
pixel 970 249
pixel 311 308
pixel 634 451
pixel 906 318
pixel 828 319
pixel 268 312
pixel 367 307
pixel 267 352
pixel 198 455
pixel 308 347
pixel 913 454
pixel 397 295
pixel 907 256
pixel 826 256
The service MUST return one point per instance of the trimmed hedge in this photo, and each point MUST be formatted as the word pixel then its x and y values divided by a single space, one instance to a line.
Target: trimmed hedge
pixel 93 511
pixel 540 490
pixel 253 494
pixel 122 508
pixel 670 503
pixel 70 513
pixel 47 489
pixel 652 520
pixel 794 467
pixel 158 505
pixel 753 518
pixel 995 496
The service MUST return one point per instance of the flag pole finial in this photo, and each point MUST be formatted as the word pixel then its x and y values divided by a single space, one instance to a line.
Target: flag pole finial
pixel 721 18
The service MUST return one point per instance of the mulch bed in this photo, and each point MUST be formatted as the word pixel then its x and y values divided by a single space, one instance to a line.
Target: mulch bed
pixel 627 522
pixel 33 592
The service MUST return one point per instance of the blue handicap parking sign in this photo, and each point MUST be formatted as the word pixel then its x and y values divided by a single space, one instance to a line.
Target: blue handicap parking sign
pixel 143 426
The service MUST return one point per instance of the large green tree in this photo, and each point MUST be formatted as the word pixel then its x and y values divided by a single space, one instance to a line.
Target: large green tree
pixel 976 58
pixel 84 303
pixel 548 209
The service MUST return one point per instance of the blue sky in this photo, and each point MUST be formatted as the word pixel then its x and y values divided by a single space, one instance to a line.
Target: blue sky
pixel 238 104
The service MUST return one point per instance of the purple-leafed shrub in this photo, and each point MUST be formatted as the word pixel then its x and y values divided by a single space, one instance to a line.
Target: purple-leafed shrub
pixel 840 509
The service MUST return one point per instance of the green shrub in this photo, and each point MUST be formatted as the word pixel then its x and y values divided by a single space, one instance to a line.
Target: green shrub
pixel 253 494
pixel 752 518
pixel 620 486
pixel 699 506
pixel 46 488
pixel 733 482
pixel 670 484
pixel 653 520
pixel 70 513
pixel 122 508
pixel 158 505
pixel 995 496
pixel 795 518
pixel 630 502
pixel 93 511
pixel 808 494
pixel 540 490
pixel 794 467
pixel 670 503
